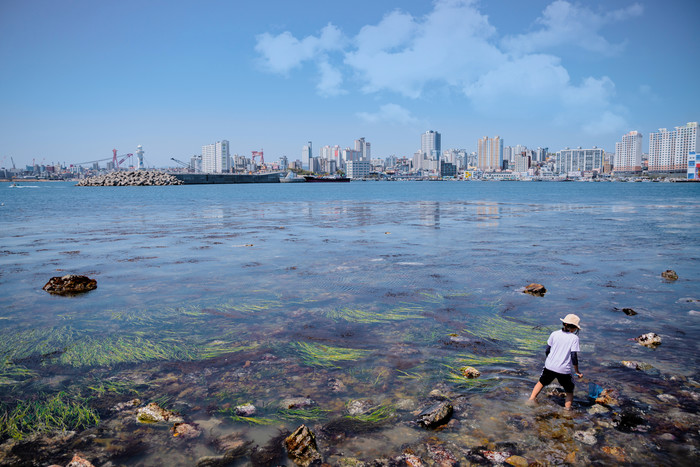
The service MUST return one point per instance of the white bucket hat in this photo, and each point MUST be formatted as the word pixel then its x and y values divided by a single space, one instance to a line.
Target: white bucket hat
pixel 571 319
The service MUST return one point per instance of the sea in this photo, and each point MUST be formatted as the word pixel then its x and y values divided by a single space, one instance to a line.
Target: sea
pixel 249 310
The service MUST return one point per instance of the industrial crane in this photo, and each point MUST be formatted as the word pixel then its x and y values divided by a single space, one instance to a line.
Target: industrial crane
pixel 123 156
pixel 262 158
pixel 184 164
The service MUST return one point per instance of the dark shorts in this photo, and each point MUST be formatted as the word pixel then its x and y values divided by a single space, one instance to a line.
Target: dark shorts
pixel 566 381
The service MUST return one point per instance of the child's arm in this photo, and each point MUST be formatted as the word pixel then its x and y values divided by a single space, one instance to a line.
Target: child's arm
pixel 574 361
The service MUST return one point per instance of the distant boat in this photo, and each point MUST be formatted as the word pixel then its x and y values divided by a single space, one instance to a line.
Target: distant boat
pixel 311 178
pixel 14 185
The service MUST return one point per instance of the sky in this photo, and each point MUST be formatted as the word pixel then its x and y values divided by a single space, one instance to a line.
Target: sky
pixel 79 78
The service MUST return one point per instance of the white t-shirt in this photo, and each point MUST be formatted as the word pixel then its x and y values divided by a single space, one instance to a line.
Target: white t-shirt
pixel 562 344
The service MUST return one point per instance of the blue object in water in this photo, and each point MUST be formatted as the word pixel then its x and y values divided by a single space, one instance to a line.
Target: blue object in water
pixel 594 390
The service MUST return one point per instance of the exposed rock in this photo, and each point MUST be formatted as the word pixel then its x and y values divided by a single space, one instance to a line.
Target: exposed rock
pixel 153 413
pixel 627 311
pixel 535 289
pixel 435 415
pixel 608 397
pixel 78 461
pixel 618 453
pixel 586 437
pixel 132 178
pixel 517 461
pixel 246 410
pixel 185 430
pixel 70 284
pixel 649 339
pixel 413 460
pixel 441 455
pixel 301 447
pixel 470 372
pixel 667 398
pixel 641 366
pixel 669 275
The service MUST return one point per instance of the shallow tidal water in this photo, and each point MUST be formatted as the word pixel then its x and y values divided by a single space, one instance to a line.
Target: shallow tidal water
pixel 359 302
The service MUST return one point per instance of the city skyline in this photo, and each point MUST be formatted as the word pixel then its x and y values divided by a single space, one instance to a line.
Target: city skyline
pixel 92 76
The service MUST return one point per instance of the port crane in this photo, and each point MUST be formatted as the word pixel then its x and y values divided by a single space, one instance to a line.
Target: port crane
pixel 262 158
pixel 184 164
pixel 118 162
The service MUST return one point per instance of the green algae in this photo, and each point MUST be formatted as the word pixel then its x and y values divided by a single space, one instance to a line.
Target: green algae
pixel 326 355
pixel 306 414
pixel 354 315
pixel 13 374
pixel 378 415
pixel 57 412
pixel 231 413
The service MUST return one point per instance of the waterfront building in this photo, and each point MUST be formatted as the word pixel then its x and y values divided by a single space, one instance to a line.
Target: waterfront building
pixel 430 144
pixel 196 163
pixel 364 148
pixel 628 153
pixel 522 162
pixel 284 163
pixel 358 169
pixel 686 142
pixel 448 169
pixel 541 154
pixel 490 153
pixel 693 166
pixel 215 157
pixel 508 153
pixel 662 150
pixel 306 155
pixel 579 160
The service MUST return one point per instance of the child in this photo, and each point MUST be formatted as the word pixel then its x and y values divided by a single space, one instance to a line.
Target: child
pixel 562 352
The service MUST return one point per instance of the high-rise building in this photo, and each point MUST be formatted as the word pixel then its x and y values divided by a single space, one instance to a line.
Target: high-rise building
pixel 662 150
pixel 686 141
pixel 580 160
pixel 541 154
pixel 358 169
pixel 490 153
pixel 215 157
pixel 364 148
pixel 306 155
pixel 430 144
pixel 628 153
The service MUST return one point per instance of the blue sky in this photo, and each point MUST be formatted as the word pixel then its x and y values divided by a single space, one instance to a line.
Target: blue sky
pixel 79 78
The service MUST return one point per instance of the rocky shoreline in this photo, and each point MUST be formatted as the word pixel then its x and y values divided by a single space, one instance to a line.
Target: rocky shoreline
pixel 134 178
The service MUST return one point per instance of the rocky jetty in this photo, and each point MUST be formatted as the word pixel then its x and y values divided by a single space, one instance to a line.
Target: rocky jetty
pixel 134 178
pixel 70 284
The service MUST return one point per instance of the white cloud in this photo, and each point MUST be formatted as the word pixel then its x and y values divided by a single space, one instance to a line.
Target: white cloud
pixel 455 49
pixel 283 52
pixel 331 80
pixel 567 24
pixel 389 113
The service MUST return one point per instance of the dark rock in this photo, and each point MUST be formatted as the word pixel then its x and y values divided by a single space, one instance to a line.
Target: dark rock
pixel 669 275
pixel 301 447
pixel 537 290
pixel 70 284
pixel 629 419
pixel 435 415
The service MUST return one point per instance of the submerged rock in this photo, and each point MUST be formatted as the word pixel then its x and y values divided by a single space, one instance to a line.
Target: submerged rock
pixel 608 397
pixel 669 275
pixel 185 430
pixel 153 413
pixel 649 339
pixel 537 290
pixel 296 403
pixel 435 415
pixel 70 284
pixel 245 410
pixel 126 405
pixel 641 366
pixel 586 437
pixel 301 447
pixel 361 407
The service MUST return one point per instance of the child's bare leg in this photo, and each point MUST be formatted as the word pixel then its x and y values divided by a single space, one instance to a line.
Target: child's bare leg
pixel 536 390
pixel 569 400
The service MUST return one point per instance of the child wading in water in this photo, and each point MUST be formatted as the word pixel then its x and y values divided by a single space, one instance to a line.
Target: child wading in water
pixel 562 352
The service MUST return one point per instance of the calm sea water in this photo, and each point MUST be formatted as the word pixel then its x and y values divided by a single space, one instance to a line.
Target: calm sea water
pixel 214 296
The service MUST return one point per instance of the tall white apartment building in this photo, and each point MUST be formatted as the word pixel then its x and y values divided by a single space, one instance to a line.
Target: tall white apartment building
pixel 215 157
pixel 686 141
pixel 306 155
pixel 490 153
pixel 430 144
pixel 358 169
pixel 628 153
pixel 668 150
pixel 364 148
